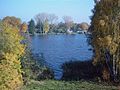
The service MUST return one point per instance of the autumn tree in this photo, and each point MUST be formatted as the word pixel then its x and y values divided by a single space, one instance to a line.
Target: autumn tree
pixel 23 27
pixel 105 28
pixel 11 50
pixel 46 27
pixel 12 21
pixel 84 26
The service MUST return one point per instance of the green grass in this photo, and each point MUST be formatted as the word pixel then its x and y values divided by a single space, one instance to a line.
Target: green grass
pixel 64 85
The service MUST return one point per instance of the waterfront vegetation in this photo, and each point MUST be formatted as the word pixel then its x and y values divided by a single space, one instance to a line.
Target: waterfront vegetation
pixel 19 69
pixel 47 24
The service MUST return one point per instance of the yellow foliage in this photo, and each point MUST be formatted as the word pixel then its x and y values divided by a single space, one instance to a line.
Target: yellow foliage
pixel 11 50
pixel 105 29
pixel 11 21
pixel 106 41
pixel 113 48
pixel 23 27
pixel 102 22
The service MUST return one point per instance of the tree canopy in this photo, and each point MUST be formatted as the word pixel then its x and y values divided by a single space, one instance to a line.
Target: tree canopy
pixel 31 26
pixel 105 28
pixel 11 50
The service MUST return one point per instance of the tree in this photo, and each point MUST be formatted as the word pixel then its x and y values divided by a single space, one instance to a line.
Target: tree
pixel 12 21
pixel 68 21
pixel 52 18
pixel 61 28
pixel 75 27
pixel 23 27
pixel 46 27
pixel 106 37
pixel 11 50
pixel 96 1
pixel 84 26
pixel 31 26
pixel 41 18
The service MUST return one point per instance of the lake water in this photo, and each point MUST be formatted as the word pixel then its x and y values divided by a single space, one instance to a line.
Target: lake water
pixel 58 49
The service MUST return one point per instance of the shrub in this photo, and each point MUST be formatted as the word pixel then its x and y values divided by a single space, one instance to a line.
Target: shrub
pixel 34 68
pixel 76 70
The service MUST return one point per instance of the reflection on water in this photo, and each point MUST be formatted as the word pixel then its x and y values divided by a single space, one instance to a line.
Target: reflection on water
pixel 58 49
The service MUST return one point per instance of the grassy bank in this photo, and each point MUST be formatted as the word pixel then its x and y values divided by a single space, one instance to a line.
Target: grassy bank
pixel 69 85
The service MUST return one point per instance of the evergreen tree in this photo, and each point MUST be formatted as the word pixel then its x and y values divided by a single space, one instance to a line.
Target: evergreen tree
pixel 39 27
pixel 31 26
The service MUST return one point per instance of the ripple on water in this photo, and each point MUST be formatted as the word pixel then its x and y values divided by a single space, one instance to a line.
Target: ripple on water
pixel 58 49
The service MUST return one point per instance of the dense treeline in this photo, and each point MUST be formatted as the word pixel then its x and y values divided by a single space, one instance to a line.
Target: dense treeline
pixel 48 23
pixel 105 28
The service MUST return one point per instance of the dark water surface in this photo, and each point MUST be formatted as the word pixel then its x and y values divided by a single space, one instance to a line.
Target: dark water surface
pixel 58 49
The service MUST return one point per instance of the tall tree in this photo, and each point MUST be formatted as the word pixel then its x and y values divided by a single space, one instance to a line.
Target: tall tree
pixel 46 27
pixel 52 18
pixel 41 18
pixel 11 51
pixel 12 21
pixel 23 27
pixel 105 28
pixel 31 26
pixel 68 21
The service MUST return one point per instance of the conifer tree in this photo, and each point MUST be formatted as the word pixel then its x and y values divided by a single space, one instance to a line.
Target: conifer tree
pixel 31 26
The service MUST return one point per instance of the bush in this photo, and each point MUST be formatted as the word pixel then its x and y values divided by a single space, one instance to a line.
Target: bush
pixel 76 70
pixel 45 74
pixel 35 68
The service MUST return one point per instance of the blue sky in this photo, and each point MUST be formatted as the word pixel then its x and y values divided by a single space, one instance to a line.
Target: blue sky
pixel 79 10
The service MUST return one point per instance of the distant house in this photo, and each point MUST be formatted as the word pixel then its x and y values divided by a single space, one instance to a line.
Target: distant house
pixel 82 31
pixel 69 31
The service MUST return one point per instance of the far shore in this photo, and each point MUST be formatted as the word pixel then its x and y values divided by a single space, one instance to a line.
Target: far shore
pixel 74 33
